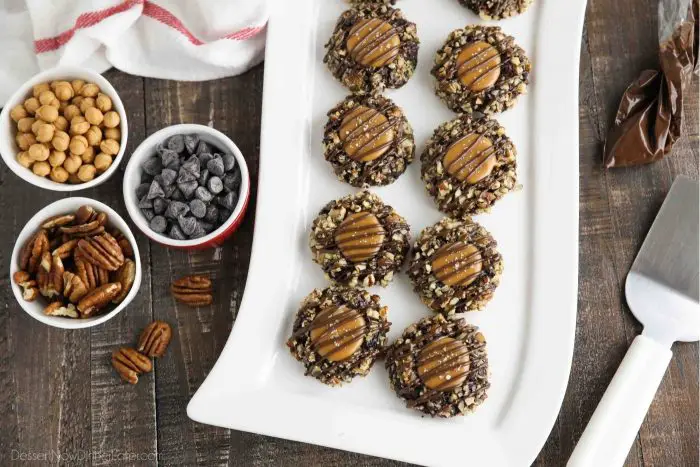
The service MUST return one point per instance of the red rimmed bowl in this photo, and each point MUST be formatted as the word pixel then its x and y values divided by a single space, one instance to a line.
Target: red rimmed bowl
pixel 132 179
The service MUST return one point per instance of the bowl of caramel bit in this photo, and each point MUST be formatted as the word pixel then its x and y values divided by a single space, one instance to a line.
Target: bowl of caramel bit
pixel 65 129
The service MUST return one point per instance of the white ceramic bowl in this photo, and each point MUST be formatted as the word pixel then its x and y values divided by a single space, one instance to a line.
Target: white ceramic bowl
pixel 8 128
pixel 132 179
pixel 36 308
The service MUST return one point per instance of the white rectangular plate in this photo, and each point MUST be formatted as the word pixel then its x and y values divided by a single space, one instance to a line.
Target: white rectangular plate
pixel 257 386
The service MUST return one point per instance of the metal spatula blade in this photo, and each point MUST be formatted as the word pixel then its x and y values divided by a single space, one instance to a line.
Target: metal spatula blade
pixel 662 292
pixel 662 288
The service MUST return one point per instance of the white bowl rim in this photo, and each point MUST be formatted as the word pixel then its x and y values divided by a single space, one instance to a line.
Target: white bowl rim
pixel 133 170
pixel 64 322
pixel 8 149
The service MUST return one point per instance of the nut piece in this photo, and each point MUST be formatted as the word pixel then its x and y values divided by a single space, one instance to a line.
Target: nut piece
pixel 155 338
pixel 102 251
pixel 193 290
pixel 30 292
pixel 32 251
pixel 66 249
pixel 125 275
pixel 97 299
pixel 130 364
pixel 59 309
pixel 74 287
pixel 57 221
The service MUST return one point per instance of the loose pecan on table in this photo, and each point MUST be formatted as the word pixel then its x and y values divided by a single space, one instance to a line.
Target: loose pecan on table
pixel 193 290
pixel 154 339
pixel 130 363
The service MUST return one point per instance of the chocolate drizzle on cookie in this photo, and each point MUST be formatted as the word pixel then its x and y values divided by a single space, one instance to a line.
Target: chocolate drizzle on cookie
pixel 471 158
pixel 337 332
pixel 373 42
pixel 457 264
pixel 360 236
pixel 366 133
pixel 443 364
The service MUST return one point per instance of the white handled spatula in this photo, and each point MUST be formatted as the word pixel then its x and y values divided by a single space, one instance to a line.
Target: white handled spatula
pixel 662 292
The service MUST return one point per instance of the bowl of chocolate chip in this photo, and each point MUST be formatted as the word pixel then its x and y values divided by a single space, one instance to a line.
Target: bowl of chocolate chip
pixel 65 129
pixel 187 186
pixel 75 264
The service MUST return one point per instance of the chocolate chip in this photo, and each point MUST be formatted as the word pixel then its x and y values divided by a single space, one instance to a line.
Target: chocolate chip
pixel 202 147
pixel 148 214
pixel 215 185
pixel 176 143
pixel 198 231
pixel 191 165
pixel 208 227
pixel 142 190
pixel 176 233
pixel 155 191
pixel 198 208
pixel 232 181
pixel 159 179
pixel 175 165
pixel 159 206
pixel 177 195
pixel 168 176
pixel 203 177
pixel 188 188
pixel 212 213
pixel 216 166
pixel 203 194
pixel 205 158
pixel 187 224
pixel 158 224
pixel 191 142
pixel 152 166
pixel 145 178
pixel 229 162
pixel 160 148
pixel 176 209
pixel 169 157
pixel 185 176
pixel 169 190
pixel 229 200
pixel 145 203
pixel 224 214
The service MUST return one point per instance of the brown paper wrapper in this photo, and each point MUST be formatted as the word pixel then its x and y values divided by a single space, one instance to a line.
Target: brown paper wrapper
pixel 649 118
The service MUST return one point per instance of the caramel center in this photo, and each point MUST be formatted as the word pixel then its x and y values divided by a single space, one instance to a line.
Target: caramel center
pixel 337 333
pixel 443 364
pixel 373 42
pixel 360 236
pixel 458 264
pixel 478 66
pixel 470 158
pixel 366 134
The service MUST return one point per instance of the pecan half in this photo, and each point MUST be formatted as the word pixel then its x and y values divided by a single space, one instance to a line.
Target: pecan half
pixel 102 250
pixel 85 214
pixel 66 248
pixel 32 251
pixel 57 221
pixel 87 272
pixel 125 275
pixel 30 292
pixel 123 243
pixel 155 338
pixel 193 290
pixel 56 275
pixel 59 309
pixel 21 277
pixel 82 230
pixel 97 299
pixel 74 288
pixel 129 363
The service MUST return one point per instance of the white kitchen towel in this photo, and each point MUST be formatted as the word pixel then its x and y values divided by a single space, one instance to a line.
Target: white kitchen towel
pixel 188 40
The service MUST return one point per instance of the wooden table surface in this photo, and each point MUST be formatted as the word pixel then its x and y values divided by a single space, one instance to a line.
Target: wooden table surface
pixel 59 394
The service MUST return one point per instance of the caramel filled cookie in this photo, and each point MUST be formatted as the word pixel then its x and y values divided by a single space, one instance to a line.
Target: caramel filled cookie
pixel 368 141
pixel 359 241
pixel 497 9
pixel 439 366
pixel 468 164
pixel 455 266
pixel 480 69
pixel 338 334
pixel 372 47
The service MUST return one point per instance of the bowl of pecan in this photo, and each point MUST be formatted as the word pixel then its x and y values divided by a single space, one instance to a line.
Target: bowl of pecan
pixel 75 264
pixel 65 129
pixel 187 186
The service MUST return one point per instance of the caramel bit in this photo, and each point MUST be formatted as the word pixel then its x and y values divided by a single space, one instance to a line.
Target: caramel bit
pixel 366 134
pixel 337 332
pixel 373 42
pixel 444 364
pixel 360 236
pixel 457 264
pixel 478 66
pixel 471 158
